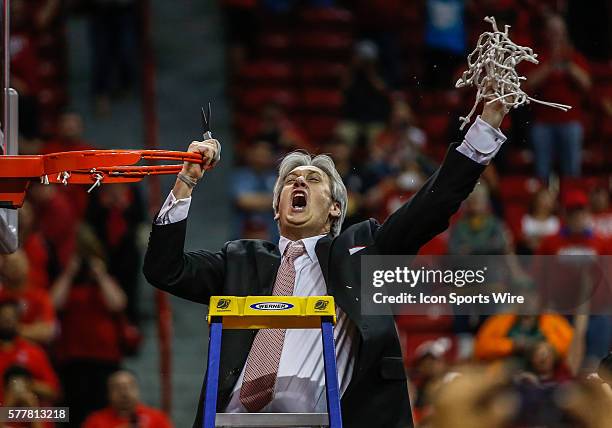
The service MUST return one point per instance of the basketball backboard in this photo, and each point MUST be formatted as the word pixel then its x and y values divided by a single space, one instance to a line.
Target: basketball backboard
pixel 9 141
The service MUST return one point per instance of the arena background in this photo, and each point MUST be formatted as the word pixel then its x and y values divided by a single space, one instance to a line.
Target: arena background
pixel 323 76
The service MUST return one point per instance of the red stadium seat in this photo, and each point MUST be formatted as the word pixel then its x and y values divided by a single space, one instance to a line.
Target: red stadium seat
pixel 274 45
pixel 436 151
pixel 438 101
pixel 606 130
pixel 254 99
pixel 414 13
pixel 329 17
pixel 438 246
pixel 513 216
pixel 415 330
pixel 586 184
pixel 247 125
pixel 411 38
pixel 321 73
pixel 517 193
pixel 593 158
pixel 319 128
pixel 520 161
pixel 436 127
pixel 320 44
pixel 518 188
pixel 266 72
pixel 601 72
pixel 322 100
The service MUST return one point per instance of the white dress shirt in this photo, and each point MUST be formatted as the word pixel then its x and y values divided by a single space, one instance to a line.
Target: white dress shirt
pixel 300 385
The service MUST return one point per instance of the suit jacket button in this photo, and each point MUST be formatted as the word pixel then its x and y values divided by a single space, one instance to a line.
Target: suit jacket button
pixel 235 371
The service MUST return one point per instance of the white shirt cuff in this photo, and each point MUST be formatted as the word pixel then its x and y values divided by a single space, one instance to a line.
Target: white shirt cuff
pixel 173 210
pixel 482 142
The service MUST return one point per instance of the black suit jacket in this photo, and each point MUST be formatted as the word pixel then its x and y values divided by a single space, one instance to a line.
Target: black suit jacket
pixel 377 393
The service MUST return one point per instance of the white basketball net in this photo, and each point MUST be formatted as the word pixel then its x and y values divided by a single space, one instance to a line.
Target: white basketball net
pixel 491 68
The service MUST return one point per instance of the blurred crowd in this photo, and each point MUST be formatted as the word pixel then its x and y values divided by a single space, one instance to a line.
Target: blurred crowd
pixel 372 84
pixel 69 311
pixel 39 57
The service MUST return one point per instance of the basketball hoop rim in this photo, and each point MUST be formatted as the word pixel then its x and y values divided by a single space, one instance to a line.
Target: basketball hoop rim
pixel 94 167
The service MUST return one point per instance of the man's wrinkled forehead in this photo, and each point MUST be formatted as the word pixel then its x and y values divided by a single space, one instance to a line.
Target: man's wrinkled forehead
pixel 305 170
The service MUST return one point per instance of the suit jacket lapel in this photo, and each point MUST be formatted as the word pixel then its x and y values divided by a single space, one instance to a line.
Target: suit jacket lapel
pixel 344 300
pixel 323 251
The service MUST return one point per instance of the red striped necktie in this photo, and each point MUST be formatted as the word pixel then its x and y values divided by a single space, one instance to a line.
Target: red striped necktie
pixel 262 363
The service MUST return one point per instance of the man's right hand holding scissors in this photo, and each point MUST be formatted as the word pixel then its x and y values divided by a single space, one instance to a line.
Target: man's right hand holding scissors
pixel 209 148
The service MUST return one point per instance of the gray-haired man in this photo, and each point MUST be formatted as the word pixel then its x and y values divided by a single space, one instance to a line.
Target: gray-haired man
pixel 283 371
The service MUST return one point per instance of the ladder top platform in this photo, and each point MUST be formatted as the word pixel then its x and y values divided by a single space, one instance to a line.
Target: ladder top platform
pixel 259 312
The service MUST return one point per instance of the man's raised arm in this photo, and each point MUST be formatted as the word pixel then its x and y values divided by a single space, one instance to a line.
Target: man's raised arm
pixel 428 212
pixel 193 275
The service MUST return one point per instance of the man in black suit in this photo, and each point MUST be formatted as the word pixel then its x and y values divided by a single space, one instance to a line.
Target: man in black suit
pixel 284 372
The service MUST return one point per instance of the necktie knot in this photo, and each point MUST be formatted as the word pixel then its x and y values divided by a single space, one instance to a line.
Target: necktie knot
pixel 295 250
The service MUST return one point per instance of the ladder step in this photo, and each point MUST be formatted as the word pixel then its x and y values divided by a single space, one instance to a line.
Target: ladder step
pixel 252 420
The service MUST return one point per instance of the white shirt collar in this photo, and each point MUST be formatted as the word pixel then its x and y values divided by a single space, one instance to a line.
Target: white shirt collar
pixel 309 244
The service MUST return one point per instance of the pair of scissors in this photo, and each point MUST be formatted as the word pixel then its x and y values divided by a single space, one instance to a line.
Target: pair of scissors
pixel 206 132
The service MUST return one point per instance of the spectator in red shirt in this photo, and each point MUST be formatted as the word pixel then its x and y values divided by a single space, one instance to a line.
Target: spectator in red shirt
pixel 56 219
pixel 70 137
pixel 125 408
pixel 576 239
pixel 116 214
pixel 35 246
pixel 37 321
pixel 19 392
pixel 562 76
pixel 90 304
pixel 576 236
pixel 15 350
pixel 391 193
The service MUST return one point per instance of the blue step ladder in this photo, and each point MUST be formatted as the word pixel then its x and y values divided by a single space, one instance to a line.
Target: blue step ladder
pixel 258 312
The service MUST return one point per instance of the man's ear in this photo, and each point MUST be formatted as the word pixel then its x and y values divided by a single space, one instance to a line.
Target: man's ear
pixel 334 210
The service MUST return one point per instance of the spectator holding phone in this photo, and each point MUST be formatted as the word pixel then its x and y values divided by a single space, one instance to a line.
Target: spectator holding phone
pixel 90 304
pixel 562 76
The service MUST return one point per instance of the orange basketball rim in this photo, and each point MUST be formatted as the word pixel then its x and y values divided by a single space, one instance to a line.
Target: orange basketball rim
pixel 93 167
